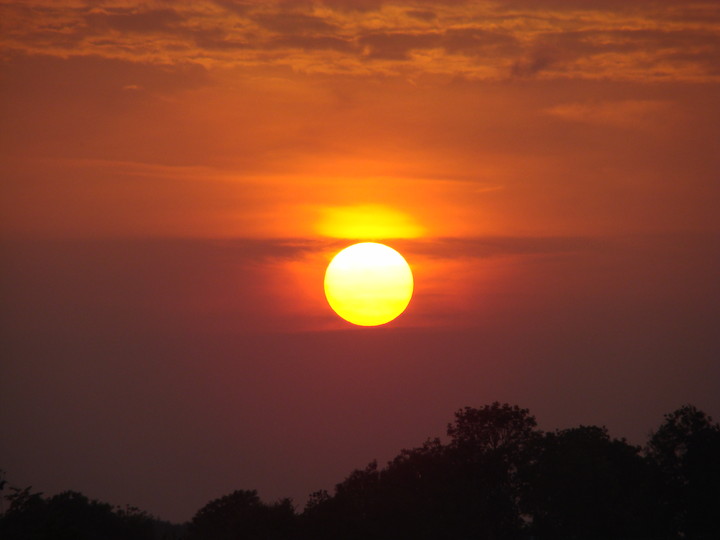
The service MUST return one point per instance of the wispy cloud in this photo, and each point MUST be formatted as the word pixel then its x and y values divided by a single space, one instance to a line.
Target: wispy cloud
pixel 606 40
pixel 631 114
pixel 482 247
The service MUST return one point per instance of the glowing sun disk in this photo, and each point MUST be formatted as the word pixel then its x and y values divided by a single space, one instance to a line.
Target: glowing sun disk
pixel 368 284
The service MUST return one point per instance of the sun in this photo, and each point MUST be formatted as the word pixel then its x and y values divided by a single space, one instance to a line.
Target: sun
pixel 368 284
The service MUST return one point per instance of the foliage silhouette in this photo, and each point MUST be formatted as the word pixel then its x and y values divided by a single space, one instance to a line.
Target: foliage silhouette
pixel 581 483
pixel 685 449
pixel 497 477
pixel 465 489
pixel 241 515
pixel 70 515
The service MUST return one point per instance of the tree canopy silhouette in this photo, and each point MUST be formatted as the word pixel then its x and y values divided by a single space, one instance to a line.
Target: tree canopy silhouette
pixel 497 477
pixel 580 483
pixel 686 451
pixel 241 515
pixel 71 515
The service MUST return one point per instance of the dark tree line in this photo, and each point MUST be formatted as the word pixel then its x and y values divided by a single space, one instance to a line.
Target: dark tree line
pixel 497 477
pixel 72 516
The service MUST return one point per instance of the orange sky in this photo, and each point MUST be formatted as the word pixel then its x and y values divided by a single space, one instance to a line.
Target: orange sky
pixel 178 174
pixel 251 118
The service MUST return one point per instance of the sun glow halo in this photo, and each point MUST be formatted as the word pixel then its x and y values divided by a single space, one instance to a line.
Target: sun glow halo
pixel 368 284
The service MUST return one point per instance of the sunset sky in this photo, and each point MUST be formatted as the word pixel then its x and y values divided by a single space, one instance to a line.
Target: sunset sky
pixel 176 176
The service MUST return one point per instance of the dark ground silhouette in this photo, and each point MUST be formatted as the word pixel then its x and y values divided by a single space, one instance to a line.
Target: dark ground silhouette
pixel 496 477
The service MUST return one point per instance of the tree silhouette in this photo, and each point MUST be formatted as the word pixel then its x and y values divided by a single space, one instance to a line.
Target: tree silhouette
pixel 497 477
pixel 498 428
pixel 464 489
pixel 241 515
pixel 351 513
pixel 70 515
pixel 686 451
pixel 488 446
pixel 583 484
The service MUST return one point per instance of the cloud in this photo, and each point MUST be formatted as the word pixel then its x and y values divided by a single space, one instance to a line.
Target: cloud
pixel 313 43
pixel 628 114
pixel 355 5
pixel 376 5
pixel 218 40
pixel 586 5
pixel 397 46
pixel 495 246
pixel 135 21
pixel 470 40
pixel 421 14
pixel 474 40
pixel 293 23
pixel 607 40
pixel 235 6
